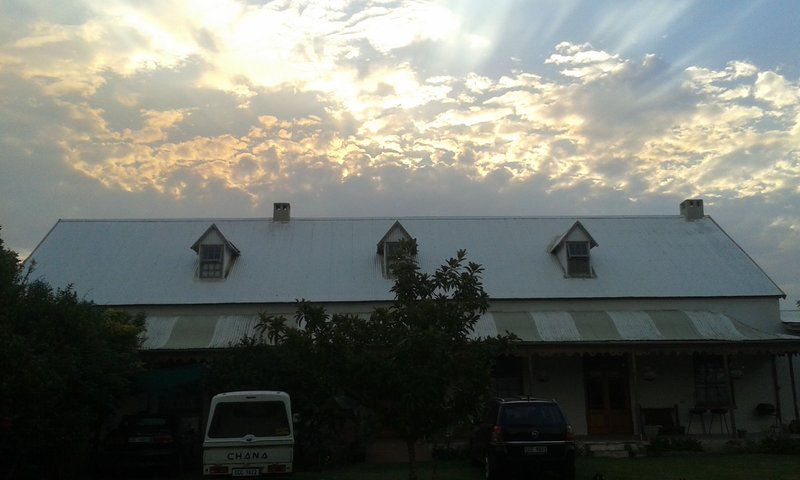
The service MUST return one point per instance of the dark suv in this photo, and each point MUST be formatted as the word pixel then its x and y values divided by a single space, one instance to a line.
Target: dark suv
pixel 523 434
pixel 149 440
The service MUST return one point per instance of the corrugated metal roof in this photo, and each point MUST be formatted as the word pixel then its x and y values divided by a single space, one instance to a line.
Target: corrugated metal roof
pixel 790 316
pixel 191 332
pixel 791 320
pixel 625 326
pixel 536 328
pixel 149 262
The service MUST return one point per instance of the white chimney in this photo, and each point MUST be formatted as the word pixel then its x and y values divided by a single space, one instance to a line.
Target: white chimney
pixel 692 208
pixel 281 212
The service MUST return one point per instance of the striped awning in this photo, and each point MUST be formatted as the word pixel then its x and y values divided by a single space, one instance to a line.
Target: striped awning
pixel 532 328
pixel 620 327
pixel 191 332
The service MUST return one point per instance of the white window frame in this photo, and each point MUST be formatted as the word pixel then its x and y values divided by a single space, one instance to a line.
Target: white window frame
pixel 207 261
pixel 573 258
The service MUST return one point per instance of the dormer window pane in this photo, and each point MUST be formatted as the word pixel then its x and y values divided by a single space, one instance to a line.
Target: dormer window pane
pixel 391 249
pixel 578 259
pixel 578 249
pixel 390 252
pixel 211 261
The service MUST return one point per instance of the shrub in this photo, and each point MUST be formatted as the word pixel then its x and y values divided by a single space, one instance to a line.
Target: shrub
pixel 674 444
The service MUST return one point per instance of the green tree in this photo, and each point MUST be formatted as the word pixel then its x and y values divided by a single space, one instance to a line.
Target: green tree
pixel 435 373
pixel 414 364
pixel 313 365
pixel 64 364
pixel 9 275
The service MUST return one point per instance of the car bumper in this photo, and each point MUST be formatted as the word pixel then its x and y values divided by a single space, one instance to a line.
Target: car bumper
pixel 531 454
pixel 143 458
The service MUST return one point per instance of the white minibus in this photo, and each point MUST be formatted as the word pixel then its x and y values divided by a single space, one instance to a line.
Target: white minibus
pixel 249 434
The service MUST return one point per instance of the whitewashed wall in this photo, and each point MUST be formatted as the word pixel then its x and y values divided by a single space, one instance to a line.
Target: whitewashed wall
pixel 674 384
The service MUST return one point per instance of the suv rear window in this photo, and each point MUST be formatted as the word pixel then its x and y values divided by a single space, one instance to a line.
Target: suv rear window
pixel 530 414
pixel 238 419
pixel 149 422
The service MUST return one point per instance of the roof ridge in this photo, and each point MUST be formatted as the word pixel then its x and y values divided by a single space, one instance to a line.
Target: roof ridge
pixel 412 217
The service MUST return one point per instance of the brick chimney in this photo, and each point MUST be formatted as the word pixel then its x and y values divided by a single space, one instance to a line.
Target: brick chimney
pixel 692 208
pixel 281 212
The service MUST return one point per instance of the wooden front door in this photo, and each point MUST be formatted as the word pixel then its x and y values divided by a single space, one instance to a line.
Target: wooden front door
pixel 608 400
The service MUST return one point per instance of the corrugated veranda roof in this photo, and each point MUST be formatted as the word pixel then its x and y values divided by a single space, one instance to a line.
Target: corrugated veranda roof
pixel 532 328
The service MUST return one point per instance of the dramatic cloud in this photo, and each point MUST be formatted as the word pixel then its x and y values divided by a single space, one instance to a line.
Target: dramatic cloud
pixel 373 108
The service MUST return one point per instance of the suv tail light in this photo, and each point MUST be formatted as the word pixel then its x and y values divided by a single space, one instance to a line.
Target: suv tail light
pixel 163 439
pixel 497 434
pixel 570 436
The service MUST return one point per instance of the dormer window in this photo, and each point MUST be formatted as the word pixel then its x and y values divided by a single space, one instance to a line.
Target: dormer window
pixel 216 254
pixel 571 250
pixel 390 251
pixel 389 247
pixel 211 259
pixel 578 259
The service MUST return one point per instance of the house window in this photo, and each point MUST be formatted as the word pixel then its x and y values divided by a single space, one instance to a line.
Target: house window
pixel 711 384
pixel 211 261
pixel 390 252
pixel 507 376
pixel 578 259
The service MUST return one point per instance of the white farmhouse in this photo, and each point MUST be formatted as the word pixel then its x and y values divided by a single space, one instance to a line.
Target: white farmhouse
pixel 627 321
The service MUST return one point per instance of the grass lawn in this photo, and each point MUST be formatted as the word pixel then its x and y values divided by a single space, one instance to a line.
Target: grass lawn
pixel 688 467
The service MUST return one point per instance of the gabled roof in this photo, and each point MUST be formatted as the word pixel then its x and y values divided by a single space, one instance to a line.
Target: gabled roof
pixel 395 227
pixel 146 262
pixel 559 242
pixel 225 241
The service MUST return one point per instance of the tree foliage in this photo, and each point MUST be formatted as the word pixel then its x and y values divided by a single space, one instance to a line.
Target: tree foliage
pixel 311 364
pixel 64 363
pixel 436 372
pixel 415 364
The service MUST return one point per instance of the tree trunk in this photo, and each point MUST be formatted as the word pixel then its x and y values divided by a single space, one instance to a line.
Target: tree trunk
pixel 412 459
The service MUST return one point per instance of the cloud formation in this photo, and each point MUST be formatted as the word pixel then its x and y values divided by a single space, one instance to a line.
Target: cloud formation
pixel 186 101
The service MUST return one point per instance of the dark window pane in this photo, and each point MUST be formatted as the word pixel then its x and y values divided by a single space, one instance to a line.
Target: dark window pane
pixel 577 249
pixel 530 414
pixel 578 266
pixel 508 386
pixel 211 270
pixel 260 419
pixel 711 387
pixel 390 249
pixel 151 422
pixel 211 252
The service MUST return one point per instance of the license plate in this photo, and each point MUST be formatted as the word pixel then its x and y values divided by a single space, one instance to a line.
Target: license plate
pixel 535 450
pixel 139 439
pixel 246 472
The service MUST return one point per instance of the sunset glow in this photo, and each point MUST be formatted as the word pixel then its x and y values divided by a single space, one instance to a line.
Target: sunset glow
pixel 353 108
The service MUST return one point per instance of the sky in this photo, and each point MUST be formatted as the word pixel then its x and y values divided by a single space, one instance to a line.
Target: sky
pixel 218 108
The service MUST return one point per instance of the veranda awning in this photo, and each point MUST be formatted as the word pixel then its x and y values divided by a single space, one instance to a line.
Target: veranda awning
pixel 618 329
pixel 625 329
pixel 201 332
